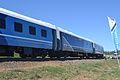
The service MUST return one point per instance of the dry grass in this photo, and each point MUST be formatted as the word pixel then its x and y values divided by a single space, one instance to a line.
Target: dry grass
pixel 60 70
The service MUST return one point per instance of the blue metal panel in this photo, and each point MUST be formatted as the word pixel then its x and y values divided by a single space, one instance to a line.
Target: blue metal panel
pixel 3 41
pixel 12 38
pixel 27 42
pixel 88 46
pixel 98 48
pixel 72 43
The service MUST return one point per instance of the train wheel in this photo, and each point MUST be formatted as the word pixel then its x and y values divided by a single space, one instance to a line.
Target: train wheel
pixel 81 57
pixel 65 56
pixel 44 55
pixel 51 56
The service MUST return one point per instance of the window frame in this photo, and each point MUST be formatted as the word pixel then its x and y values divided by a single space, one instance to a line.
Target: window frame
pixel 18 27
pixel 32 30
pixel 3 18
pixel 44 33
pixel 3 23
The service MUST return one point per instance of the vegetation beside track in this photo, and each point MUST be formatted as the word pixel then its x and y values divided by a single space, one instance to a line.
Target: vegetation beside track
pixel 64 70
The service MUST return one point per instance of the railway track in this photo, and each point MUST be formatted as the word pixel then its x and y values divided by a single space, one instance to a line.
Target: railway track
pixel 45 59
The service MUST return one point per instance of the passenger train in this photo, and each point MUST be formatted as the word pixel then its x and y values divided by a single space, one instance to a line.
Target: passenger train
pixel 31 38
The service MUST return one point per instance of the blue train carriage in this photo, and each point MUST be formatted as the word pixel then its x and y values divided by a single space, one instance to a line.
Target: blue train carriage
pixel 25 35
pixel 98 51
pixel 76 46
pixel 73 45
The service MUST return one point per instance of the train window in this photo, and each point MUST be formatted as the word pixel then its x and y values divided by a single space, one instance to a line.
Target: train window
pixel 2 23
pixel 32 30
pixel 18 27
pixel 43 33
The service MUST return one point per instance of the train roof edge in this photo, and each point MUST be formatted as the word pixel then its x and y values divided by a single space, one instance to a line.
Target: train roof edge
pixel 29 19
pixel 68 32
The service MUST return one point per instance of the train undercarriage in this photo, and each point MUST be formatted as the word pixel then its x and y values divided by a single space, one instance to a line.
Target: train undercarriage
pixel 26 52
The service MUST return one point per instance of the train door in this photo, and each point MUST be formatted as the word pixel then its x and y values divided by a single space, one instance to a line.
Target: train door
pixel 54 47
pixel 58 39
pixel 93 45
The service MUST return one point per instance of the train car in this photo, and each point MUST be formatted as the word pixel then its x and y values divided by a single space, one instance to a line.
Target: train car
pixel 31 38
pixel 24 35
pixel 98 50
pixel 75 46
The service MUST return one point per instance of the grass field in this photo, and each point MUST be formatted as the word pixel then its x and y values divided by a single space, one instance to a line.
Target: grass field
pixel 80 70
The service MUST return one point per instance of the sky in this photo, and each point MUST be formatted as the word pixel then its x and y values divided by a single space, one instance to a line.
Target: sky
pixel 86 18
